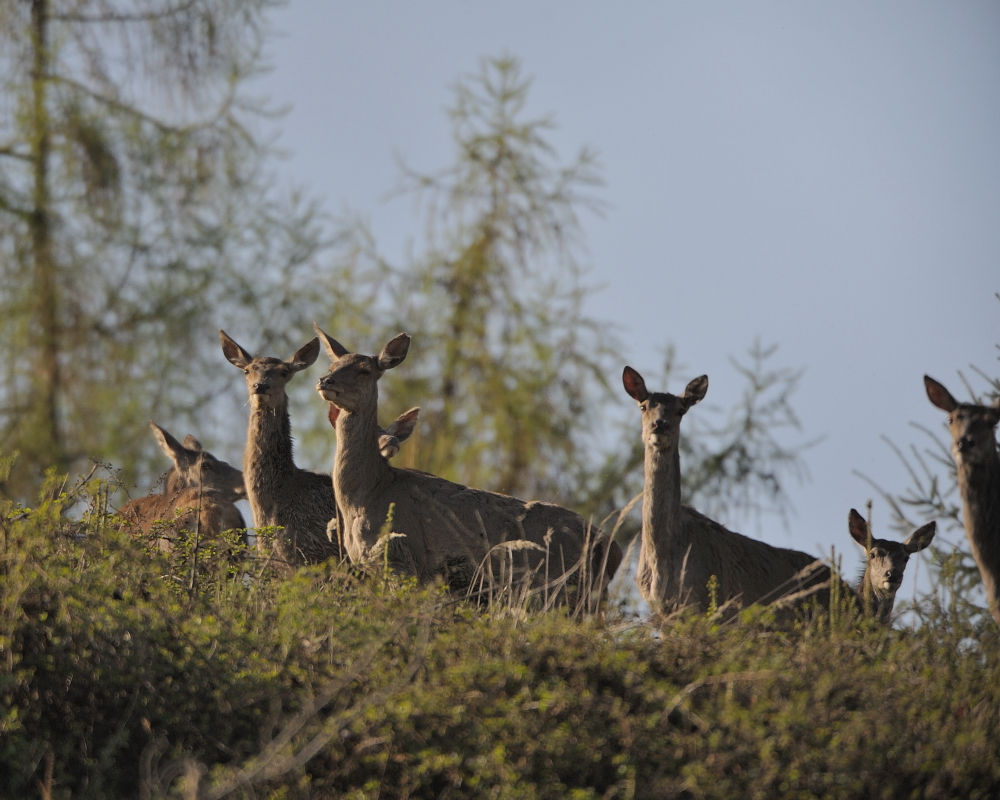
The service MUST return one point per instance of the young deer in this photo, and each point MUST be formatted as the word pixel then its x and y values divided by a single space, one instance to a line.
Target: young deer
pixel 449 531
pixel 974 448
pixel 280 493
pixel 885 563
pixel 199 486
pixel 680 550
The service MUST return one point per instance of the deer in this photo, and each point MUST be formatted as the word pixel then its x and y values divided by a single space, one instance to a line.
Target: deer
pixel 194 466
pixel 682 550
pixel 198 496
pixel 974 448
pixel 885 562
pixel 300 502
pixel 438 529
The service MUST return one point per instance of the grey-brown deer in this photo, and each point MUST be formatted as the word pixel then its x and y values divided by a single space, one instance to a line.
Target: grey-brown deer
pixel 281 494
pixel 681 550
pixel 198 496
pixel 194 466
pixel 974 448
pixel 885 563
pixel 449 531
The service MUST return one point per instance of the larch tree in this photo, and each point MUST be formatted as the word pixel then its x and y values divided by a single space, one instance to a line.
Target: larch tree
pixel 134 216
pixel 510 372
pixel 503 357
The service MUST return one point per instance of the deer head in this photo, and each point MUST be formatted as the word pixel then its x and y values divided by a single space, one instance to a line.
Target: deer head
pixel 661 411
pixel 972 427
pixel 887 559
pixel 194 466
pixel 267 377
pixel 351 384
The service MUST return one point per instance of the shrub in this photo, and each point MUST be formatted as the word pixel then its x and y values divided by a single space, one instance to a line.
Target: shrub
pixel 122 676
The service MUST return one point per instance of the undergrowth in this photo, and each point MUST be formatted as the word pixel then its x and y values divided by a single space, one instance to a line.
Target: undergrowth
pixel 125 672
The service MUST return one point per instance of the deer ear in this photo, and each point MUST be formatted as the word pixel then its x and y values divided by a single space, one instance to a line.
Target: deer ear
pixel 921 537
pixel 634 385
pixel 388 445
pixel 695 391
pixel 858 527
pixel 939 396
pixel 305 356
pixel 332 414
pixel 404 424
pixel 394 352
pixel 236 355
pixel 173 449
pixel 192 444
pixel 334 349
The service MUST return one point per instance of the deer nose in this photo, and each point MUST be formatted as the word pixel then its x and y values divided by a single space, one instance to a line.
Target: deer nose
pixel 261 388
pixel 892 576
pixel 658 426
pixel 965 443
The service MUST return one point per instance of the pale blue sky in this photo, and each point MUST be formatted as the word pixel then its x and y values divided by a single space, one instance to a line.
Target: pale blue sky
pixel 822 176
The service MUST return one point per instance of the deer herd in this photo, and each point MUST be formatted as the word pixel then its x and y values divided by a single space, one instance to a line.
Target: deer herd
pixel 480 542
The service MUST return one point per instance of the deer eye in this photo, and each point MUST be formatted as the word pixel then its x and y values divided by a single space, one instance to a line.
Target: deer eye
pixel 284 373
pixel 950 419
pixel 246 371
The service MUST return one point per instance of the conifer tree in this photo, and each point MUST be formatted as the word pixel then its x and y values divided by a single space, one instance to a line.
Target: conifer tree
pixel 133 217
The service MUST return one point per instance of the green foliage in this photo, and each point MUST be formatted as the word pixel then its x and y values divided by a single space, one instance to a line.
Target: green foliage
pixel 116 681
pixel 513 378
pixel 506 366
pixel 135 215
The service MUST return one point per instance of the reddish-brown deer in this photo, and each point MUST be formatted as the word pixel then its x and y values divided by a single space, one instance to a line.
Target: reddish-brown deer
pixel 974 448
pixel 199 495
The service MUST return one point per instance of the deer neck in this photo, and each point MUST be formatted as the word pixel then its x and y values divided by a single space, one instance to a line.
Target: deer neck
pixel 267 460
pixel 661 504
pixel 980 488
pixel 359 470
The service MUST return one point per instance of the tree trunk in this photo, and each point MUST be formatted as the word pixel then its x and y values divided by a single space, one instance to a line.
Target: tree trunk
pixel 46 434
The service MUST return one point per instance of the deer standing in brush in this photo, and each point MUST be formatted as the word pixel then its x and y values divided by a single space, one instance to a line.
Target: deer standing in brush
pixel 974 448
pixel 198 496
pixel 448 530
pixel 680 549
pixel 885 562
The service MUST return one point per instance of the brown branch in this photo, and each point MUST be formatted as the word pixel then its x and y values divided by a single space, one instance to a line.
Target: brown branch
pixel 125 18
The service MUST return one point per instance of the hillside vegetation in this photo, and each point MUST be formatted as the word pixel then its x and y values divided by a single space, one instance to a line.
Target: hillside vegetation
pixel 126 673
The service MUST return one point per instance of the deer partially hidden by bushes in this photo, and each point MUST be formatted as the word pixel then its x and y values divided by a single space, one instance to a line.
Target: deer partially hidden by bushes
pixel 448 531
pixel 885 562
pixel 682 550
pixel 299 502
pixel 974 448
pixel 282 494
pixel 199 494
